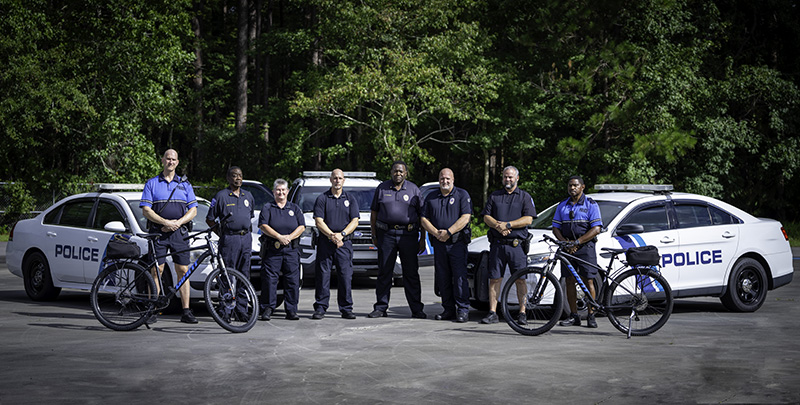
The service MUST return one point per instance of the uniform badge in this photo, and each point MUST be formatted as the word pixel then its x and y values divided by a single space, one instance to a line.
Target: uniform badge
pixel 515 243
pixel 405 197
pixel 246 203
pixel 291 213
pixel 346 203
pixel 277 245
pixel 410 227
pixel 452 200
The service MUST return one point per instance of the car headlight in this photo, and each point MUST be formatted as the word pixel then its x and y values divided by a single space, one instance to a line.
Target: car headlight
pixel 538 259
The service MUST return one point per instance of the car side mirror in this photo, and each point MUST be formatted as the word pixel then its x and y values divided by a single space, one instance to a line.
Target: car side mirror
pixel 115 226
pixel 628 229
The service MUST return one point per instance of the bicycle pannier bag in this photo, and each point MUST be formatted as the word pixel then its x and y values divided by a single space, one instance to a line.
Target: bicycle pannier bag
pixel 643 256
pixel 120 247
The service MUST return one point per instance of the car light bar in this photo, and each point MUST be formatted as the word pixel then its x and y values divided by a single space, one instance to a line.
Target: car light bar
pixel 346 174
pixel 118 186
pixel 633 187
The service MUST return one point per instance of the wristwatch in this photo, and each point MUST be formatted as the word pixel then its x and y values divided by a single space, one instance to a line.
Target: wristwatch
pixel 344 233
pixel 508 225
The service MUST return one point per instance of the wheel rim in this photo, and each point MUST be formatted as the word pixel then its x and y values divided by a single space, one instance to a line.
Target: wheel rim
pixel 37 276
pixel 748 286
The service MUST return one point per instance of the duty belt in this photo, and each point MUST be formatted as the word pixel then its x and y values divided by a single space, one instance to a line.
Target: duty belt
pixel 513 242
pixel 405 227
pixel 242 232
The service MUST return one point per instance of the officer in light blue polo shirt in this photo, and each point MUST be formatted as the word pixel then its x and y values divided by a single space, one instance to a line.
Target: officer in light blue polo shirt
pixel 281 223
pixel 445 215
pixel 168 203
pixel 336 216
pixel 234 206
pixel 577 219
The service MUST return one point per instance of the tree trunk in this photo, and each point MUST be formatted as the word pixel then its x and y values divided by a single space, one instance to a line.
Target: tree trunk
pixel 241 66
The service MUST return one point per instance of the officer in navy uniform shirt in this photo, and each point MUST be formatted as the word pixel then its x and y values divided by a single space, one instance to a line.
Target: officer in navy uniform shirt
pixel 235 240
pixel 395 212
pixel 508 213
pixel 281 223
pixel 446 215
pixel 578 219
pixel 336 216
pixel 168 203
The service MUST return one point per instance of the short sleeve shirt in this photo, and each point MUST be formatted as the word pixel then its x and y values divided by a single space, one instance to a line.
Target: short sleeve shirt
pixel 283 220
pixel 506 207
pixel 443 211
pixel 397 207
pixel 574 220
pixel 336 212
pixel 156 195
pixel 240 207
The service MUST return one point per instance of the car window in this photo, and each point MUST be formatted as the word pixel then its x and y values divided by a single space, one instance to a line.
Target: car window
pixel 137 212
pixel 260 195
pixel 692 216
pixel 105 213
pixel 720 217
pixel 308 196
pixel 52 216
pixel 76 213
pixel 198 222
pixel 653 218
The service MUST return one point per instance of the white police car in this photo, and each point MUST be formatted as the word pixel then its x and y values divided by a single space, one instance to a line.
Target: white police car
pixel 707 247
pixel 63 246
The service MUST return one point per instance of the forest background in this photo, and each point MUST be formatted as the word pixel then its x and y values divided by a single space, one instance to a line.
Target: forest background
pixel 699 94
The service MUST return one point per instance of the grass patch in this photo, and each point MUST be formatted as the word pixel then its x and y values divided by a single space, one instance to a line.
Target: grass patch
pixel 4 237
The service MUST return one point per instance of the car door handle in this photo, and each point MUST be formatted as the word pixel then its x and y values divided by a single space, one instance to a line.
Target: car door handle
pixel 52 234
pixel 728 234
pixel 92 239
pixel 667 239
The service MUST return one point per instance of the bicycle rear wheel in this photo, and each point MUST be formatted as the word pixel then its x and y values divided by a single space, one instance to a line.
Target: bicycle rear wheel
pixel 638 301
pixel 231 300
pixel 542 299
pixel 121 296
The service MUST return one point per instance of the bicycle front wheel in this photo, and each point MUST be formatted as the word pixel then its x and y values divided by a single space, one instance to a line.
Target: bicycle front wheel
pixel 531 301
pixel 231 300
pixel 638 301
pixel 121 296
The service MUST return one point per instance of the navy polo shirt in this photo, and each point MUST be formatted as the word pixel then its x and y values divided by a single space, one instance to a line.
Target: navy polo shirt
pixel 336 212
pixel 586 215
pixel 507 207
pixel 444 211
pixel 240 207
pixel 283 220
pixel 397 207
pixel 156 195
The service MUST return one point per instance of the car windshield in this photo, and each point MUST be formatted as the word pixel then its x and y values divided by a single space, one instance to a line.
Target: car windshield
pixel 260 195
pixel 308 196
pixel 198 223
pixel 608 210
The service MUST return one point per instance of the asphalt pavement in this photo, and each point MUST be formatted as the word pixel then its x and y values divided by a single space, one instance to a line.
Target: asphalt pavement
pixel 57 352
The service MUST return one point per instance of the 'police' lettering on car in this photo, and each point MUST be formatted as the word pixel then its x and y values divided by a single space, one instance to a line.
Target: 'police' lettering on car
pixel 691 258
pixel 78 252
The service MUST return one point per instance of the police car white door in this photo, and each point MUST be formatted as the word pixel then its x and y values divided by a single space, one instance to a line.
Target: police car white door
pixel 65 236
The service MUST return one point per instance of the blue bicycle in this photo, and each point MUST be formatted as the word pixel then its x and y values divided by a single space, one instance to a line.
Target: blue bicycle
pixel 636 298
pixel 124 295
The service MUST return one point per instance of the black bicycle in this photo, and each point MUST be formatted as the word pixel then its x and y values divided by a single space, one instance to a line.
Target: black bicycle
pixel 636 298
pixel 124 295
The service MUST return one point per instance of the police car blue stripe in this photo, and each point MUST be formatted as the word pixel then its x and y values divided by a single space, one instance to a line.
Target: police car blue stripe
pixel 630 241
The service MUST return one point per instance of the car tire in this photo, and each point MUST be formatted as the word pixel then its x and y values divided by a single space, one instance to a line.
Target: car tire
pixel 479 305
pixel 38 279
pixel 747 286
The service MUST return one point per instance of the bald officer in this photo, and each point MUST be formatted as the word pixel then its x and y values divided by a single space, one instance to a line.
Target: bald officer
pixel 446 215
pixel 336 216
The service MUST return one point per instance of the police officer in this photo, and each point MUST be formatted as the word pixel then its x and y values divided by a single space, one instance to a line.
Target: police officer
pixel 577 219
pixel 281 223
pixel 446 215
pixel 394 219
pixel 508 212
pixel 234 206
pixel 168 203
pixel 336 216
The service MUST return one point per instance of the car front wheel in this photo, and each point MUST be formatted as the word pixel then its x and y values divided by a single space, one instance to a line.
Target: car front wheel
pixel 38 280
pixel 747 286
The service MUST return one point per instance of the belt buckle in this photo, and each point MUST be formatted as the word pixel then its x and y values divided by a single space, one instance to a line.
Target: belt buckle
pixel 515 242
pixel 410 227
pixel 277 245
